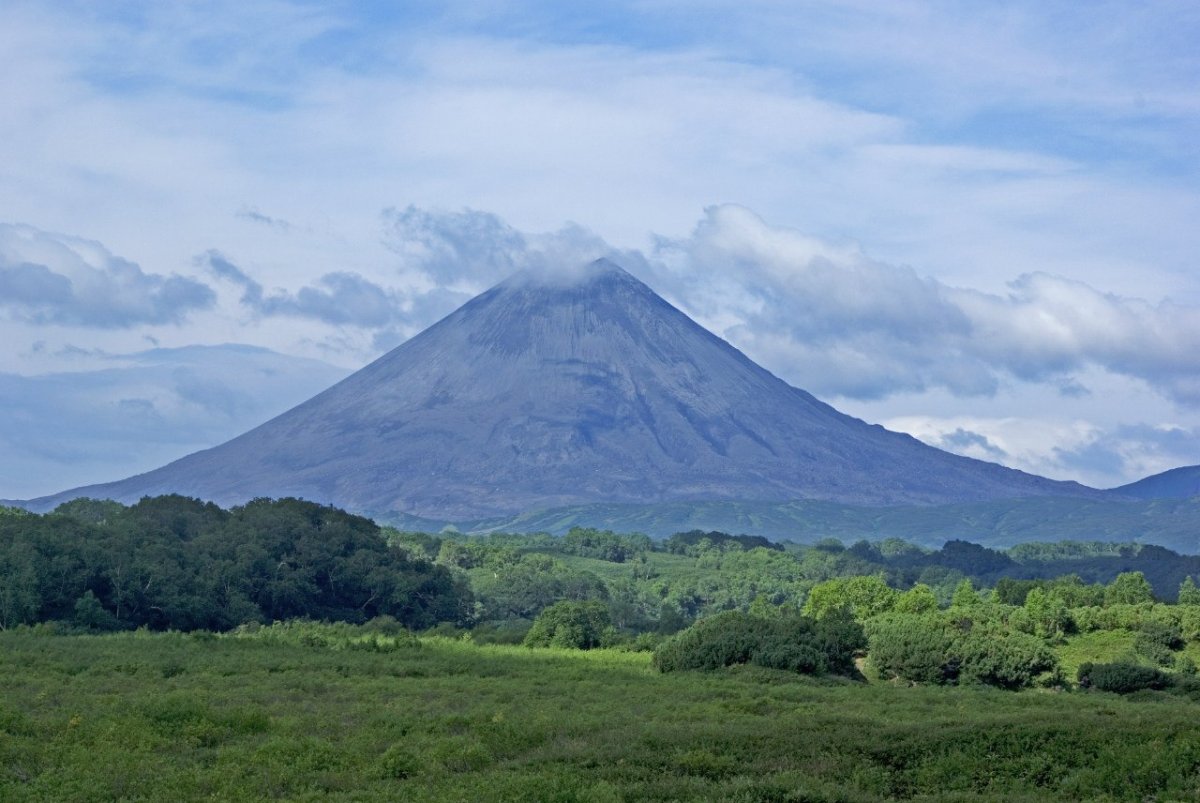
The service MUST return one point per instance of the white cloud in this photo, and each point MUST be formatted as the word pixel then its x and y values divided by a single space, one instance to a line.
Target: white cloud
pixel 57 279
pixel 841 323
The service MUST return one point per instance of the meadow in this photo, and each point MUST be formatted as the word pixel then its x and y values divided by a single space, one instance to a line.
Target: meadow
pixel 304 711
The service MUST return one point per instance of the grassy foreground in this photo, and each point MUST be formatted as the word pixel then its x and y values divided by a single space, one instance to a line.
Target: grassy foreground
pixel 317 714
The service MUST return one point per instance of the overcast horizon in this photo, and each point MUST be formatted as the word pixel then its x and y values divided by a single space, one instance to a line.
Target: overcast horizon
pixel 976 225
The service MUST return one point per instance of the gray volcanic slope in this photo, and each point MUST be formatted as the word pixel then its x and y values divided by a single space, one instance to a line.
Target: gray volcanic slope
pixel 541 393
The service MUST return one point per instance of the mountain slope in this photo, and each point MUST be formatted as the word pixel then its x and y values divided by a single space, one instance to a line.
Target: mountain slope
pixel 542 393
pixel 1178 483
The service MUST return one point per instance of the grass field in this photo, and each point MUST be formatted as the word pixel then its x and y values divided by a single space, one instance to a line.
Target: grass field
pixel 315 713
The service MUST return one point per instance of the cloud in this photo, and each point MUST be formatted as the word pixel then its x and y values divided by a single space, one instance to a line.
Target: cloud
pixel 254 216
pixel 338 299
pixel 470 250
pixel 223 268
pixel 840 323
pixel 962 441
pixel 455 247
pixel 136 411
pixel 57 279
pixel 1100 456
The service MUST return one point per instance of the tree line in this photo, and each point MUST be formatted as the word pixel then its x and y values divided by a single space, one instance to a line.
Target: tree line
pixel 171 562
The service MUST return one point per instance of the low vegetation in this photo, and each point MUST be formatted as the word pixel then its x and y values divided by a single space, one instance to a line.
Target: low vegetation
pixel 308 711
pixel 285 649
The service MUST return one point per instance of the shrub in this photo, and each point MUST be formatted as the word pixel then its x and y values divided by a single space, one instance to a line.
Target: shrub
pixel 1158 641
pixel 1121 677
pixel 802 658
pixel 511 631
pixel 791 642
pixel 1007 660
pixel 934 649
pixel 913 648
pixel 713 642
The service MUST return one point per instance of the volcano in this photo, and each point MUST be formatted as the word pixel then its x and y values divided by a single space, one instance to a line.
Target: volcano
pixel 545 392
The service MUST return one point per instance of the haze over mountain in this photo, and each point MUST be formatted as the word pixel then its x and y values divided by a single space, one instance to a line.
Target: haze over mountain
pixel 571 389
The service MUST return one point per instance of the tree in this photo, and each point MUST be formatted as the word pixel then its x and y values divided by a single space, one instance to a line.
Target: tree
pixel 91 615
pixel 174 562
pixel 965 596
pixel 572 624
pixel 20 596
pixel 864 597
pixel 918 599
pixel 1012 591
pixel 1129 588
pixel 1188 593
pixel 971 558
pixel 1048 613
pixel 523 587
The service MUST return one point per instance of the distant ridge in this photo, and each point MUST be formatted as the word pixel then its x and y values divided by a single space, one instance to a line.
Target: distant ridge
pixel 998 523
pixel 1178 483
pixel 547 391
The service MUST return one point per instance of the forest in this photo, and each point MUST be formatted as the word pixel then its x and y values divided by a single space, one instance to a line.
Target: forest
pixel 160 603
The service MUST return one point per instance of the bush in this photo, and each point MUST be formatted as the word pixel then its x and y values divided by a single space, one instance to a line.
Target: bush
pixel 511 631
pixel 934 649
pixel 1121 677
pixel 792 642
pixel 1158 641
pixel 802 658
pixel 918 649
pixel 716 641
pixel 1007 660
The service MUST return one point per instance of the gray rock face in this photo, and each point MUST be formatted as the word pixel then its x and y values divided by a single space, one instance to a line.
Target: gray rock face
pixel 540 393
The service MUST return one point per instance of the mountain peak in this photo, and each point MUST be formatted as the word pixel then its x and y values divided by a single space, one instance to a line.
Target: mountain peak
pixel 569 387
pixel 586 274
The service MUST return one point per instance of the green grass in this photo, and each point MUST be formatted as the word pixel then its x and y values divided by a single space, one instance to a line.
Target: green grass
pixel 344 716
pixel 1100 646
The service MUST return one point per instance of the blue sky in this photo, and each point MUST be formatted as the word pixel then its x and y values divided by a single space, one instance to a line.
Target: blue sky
pixel 973 222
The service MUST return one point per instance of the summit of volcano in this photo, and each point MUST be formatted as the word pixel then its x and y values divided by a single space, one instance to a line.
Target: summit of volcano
pixel 583 387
